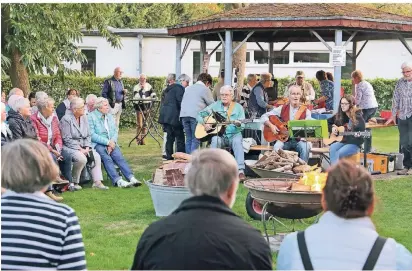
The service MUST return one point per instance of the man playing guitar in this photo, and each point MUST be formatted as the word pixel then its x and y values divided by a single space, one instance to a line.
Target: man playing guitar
pixel 233 133
pixel 293 110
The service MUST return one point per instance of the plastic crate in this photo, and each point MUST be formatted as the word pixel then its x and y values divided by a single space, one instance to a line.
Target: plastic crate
pixel 386 114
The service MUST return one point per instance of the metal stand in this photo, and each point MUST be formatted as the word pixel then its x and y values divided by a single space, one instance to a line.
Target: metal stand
pixel 151 112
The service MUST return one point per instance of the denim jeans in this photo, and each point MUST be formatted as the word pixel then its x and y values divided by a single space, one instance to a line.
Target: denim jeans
pixel 235 142
pixel 109 161
pixel 367 115
pixel 189 125
pixel 65 166
pixel 339 150
pixel 302 147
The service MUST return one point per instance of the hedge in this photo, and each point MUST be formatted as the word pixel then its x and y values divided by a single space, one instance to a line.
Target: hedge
pixel 56 87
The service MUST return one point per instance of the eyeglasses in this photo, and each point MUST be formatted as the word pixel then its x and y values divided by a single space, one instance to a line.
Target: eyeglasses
pixel 225 95
pixel 404 72
pixel 344 103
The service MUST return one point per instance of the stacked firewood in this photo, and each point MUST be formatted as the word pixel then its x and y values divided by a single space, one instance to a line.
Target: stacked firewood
pixel 282 161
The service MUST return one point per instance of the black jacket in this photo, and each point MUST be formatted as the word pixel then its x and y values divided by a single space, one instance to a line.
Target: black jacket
pixel 20 127
pixel 359 127
pixel 61 110
pixel 172 101
pixel 202 233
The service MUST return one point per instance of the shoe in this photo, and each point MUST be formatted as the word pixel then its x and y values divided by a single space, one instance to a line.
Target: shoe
pixel 53 197
pixel 75 187
pixel 100 186
pixel 135 182
pixel 123 184
pixel 164 157
pixel 242 177
pixel 405 171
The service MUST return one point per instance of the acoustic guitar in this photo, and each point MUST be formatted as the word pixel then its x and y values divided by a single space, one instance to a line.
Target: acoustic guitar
pixel 282 135
pixel 341 132
pixel 217 128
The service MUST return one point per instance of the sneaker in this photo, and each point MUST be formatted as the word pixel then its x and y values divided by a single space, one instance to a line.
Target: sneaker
pixel 75 187
pixel 123 184
pixel 100 186
pixel 135 182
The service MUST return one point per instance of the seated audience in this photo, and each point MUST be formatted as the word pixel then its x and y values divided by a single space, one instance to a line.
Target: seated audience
pixel 64 107
pixel 90 100
pixel 258 98
pixel 77 145
pixel 36 232
pixel 169 117
pixel 293 110
pixel 196 98
pixel 19 120
pixel 203 232
pixel 104 136
pixel 326 90
pixel 3 97
pixel 40 95
pixel 351 118
pixel 32 99
pixel 6 134
pixel 345 237
pixel 13 92
pixel 232 137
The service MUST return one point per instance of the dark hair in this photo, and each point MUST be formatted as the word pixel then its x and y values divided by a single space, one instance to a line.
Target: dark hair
pixel 70 90
pixel 321 75
pixel 329 75
pixel 348 191
pixel 222 73
pixel 32 95
pixel 205 78
pixel 353 110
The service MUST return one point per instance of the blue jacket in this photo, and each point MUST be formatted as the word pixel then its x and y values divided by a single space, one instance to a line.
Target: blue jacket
pixel 99 133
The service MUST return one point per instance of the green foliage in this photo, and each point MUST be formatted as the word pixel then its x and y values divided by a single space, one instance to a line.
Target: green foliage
pixel 46 34
pixel 56 87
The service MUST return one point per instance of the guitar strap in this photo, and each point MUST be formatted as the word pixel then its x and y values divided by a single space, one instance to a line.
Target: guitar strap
pixel 230 110
pixel 298 114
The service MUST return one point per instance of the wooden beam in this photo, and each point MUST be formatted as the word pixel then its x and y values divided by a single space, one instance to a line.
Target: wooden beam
pixel 243 41
pixel 322 40
pixel 360 51
pixel 350 38
pixel 402 39
pixel 261 48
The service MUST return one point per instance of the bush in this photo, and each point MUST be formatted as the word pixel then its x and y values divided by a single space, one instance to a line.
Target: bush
pixel 56 88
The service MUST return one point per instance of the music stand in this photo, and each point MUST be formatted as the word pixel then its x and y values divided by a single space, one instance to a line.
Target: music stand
pixel 308 128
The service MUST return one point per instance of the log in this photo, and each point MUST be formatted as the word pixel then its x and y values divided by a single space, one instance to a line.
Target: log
pixel 282 169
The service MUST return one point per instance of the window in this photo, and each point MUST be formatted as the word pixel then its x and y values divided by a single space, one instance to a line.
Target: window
pixel 280 57
pixel 196 64
pixel 219 56
pixel 90 64
pixel 311 58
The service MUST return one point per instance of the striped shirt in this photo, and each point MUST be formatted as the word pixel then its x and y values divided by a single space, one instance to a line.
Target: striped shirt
pixel 38 233
pixel 402 99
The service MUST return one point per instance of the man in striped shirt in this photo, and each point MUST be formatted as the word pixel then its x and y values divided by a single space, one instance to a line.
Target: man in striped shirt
pixel 402 107
pixel 36 232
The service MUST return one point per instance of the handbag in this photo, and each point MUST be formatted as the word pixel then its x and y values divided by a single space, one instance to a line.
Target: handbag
pixel 90 159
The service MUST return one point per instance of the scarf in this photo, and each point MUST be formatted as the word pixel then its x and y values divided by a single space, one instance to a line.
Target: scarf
pixel 48 123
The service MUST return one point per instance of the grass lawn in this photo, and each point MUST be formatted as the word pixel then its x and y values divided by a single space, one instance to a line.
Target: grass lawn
pixel 112 221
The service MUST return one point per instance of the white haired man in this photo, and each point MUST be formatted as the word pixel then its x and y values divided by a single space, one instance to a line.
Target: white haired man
pixel 402 110
pixel 114 92
pixel 232 111
pixel 143 90
pixel 206 234
pixel 293 110
pixel 90 100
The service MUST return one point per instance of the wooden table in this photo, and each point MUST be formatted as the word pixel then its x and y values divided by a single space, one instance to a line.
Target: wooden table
pixel 374 126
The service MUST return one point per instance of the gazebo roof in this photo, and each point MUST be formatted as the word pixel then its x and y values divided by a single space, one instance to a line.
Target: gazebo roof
pixel 292 22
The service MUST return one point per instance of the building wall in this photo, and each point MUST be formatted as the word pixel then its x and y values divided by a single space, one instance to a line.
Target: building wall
pixel 378 59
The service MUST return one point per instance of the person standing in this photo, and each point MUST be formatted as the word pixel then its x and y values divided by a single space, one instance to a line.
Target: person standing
pixel 244 96
pixel 326 89
pixel 219 85
pixel 195 99
pixel 308 92
pixel 258 99
pixel 402 109
pixel 169 117
pixel 114 92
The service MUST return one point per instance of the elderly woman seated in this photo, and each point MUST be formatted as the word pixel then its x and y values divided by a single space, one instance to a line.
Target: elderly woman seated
pixel 90 100
pixel 36 232
pixel 6 134
pixel 19 119
pixel 104 138
pixel 77 145
pixel 345 237
pixel 64 107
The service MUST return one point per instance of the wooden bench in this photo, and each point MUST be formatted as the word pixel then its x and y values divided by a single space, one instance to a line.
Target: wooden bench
pixel 322 152
pixel 261 148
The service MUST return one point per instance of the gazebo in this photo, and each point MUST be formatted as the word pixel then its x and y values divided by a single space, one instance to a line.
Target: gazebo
pixel 338 23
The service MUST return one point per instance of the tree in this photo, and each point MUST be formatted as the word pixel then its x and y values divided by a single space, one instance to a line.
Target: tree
pixel 41 37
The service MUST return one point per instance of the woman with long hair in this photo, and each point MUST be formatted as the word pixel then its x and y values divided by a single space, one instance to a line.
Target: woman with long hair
pixel 345 237
pixel 351 118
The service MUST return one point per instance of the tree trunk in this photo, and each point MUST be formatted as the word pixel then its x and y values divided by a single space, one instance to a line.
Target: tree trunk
pixel 18 73
pixel 239 61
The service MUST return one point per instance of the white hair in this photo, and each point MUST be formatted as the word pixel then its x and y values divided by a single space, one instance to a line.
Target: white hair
pixel 76 103
pixel 183 78
pixel 14 91
pixel 143 75
pixel 407 64
pixel 212 172
pixel 20 103
pixel 44 102
pixel 227 87
pixel 98 103
pixel 90 97
pixel 171 77
pixel 41 95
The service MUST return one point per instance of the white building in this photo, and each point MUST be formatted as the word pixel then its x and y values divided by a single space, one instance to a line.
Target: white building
pixel 379 58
